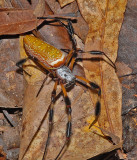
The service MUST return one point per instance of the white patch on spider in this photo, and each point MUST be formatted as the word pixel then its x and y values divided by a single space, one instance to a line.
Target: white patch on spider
pixel 58 60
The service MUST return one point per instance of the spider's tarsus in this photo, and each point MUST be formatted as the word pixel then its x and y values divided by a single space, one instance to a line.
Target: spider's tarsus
pixel 65 144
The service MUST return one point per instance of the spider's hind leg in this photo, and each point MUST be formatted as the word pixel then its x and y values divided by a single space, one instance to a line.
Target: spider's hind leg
pixel 51 112
pixel 94 86
pixel 69 125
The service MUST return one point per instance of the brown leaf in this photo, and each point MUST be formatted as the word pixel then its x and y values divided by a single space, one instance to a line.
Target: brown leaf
pixel 16 21
pixel 65 2
pixel 40 8
pixel 104 19
pixel 5 101
pixel 11 83
pixel 36 108
pixel 2 3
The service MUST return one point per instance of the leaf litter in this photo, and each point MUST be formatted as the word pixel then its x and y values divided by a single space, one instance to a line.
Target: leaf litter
pixel 82 101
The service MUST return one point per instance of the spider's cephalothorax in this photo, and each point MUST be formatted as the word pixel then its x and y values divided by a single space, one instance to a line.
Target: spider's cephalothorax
pixel 66 76
pixel 60 66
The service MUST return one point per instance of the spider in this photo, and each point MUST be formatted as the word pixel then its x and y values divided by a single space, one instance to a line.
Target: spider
pixel 60 66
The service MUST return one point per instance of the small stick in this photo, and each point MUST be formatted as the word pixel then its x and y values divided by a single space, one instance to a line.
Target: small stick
pixel 68 16
pixel 10 119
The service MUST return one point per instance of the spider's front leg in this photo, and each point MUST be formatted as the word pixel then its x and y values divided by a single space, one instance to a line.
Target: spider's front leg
pixel 70 30
pixel 103 54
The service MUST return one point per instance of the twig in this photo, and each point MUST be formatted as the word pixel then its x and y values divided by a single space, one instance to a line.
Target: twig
pixel 9 118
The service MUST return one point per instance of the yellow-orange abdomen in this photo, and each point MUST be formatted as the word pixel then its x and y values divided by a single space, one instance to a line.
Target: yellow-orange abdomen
pixel 47 54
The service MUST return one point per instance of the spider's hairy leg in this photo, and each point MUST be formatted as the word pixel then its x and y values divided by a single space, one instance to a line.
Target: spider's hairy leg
pixel 70 30
pixel 102 53
pixel 51 112
pixel 69 56
pixel 98 105
pixel 72 63
pixel 95 52
pixel 20 63
pixel 69 125
pixel 73 53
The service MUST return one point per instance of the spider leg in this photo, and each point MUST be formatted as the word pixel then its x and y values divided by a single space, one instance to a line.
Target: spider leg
pixel 72 54
pixel 98 105
pixel 70 30
pixel 42 85
pixel 69 27
pixel 69 56
pixel 72 63
pixel 102 53
pixel 93 52
pixel 51 112
pixel 20 63
pixel 68 129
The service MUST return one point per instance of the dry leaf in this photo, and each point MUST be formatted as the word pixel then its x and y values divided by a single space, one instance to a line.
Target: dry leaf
pixel 65 2
pixel 16 21
pixel 11 87
pixel 40 8
pixel 105 19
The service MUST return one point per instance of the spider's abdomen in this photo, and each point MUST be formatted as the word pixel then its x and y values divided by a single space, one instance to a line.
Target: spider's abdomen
pixel 44 52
